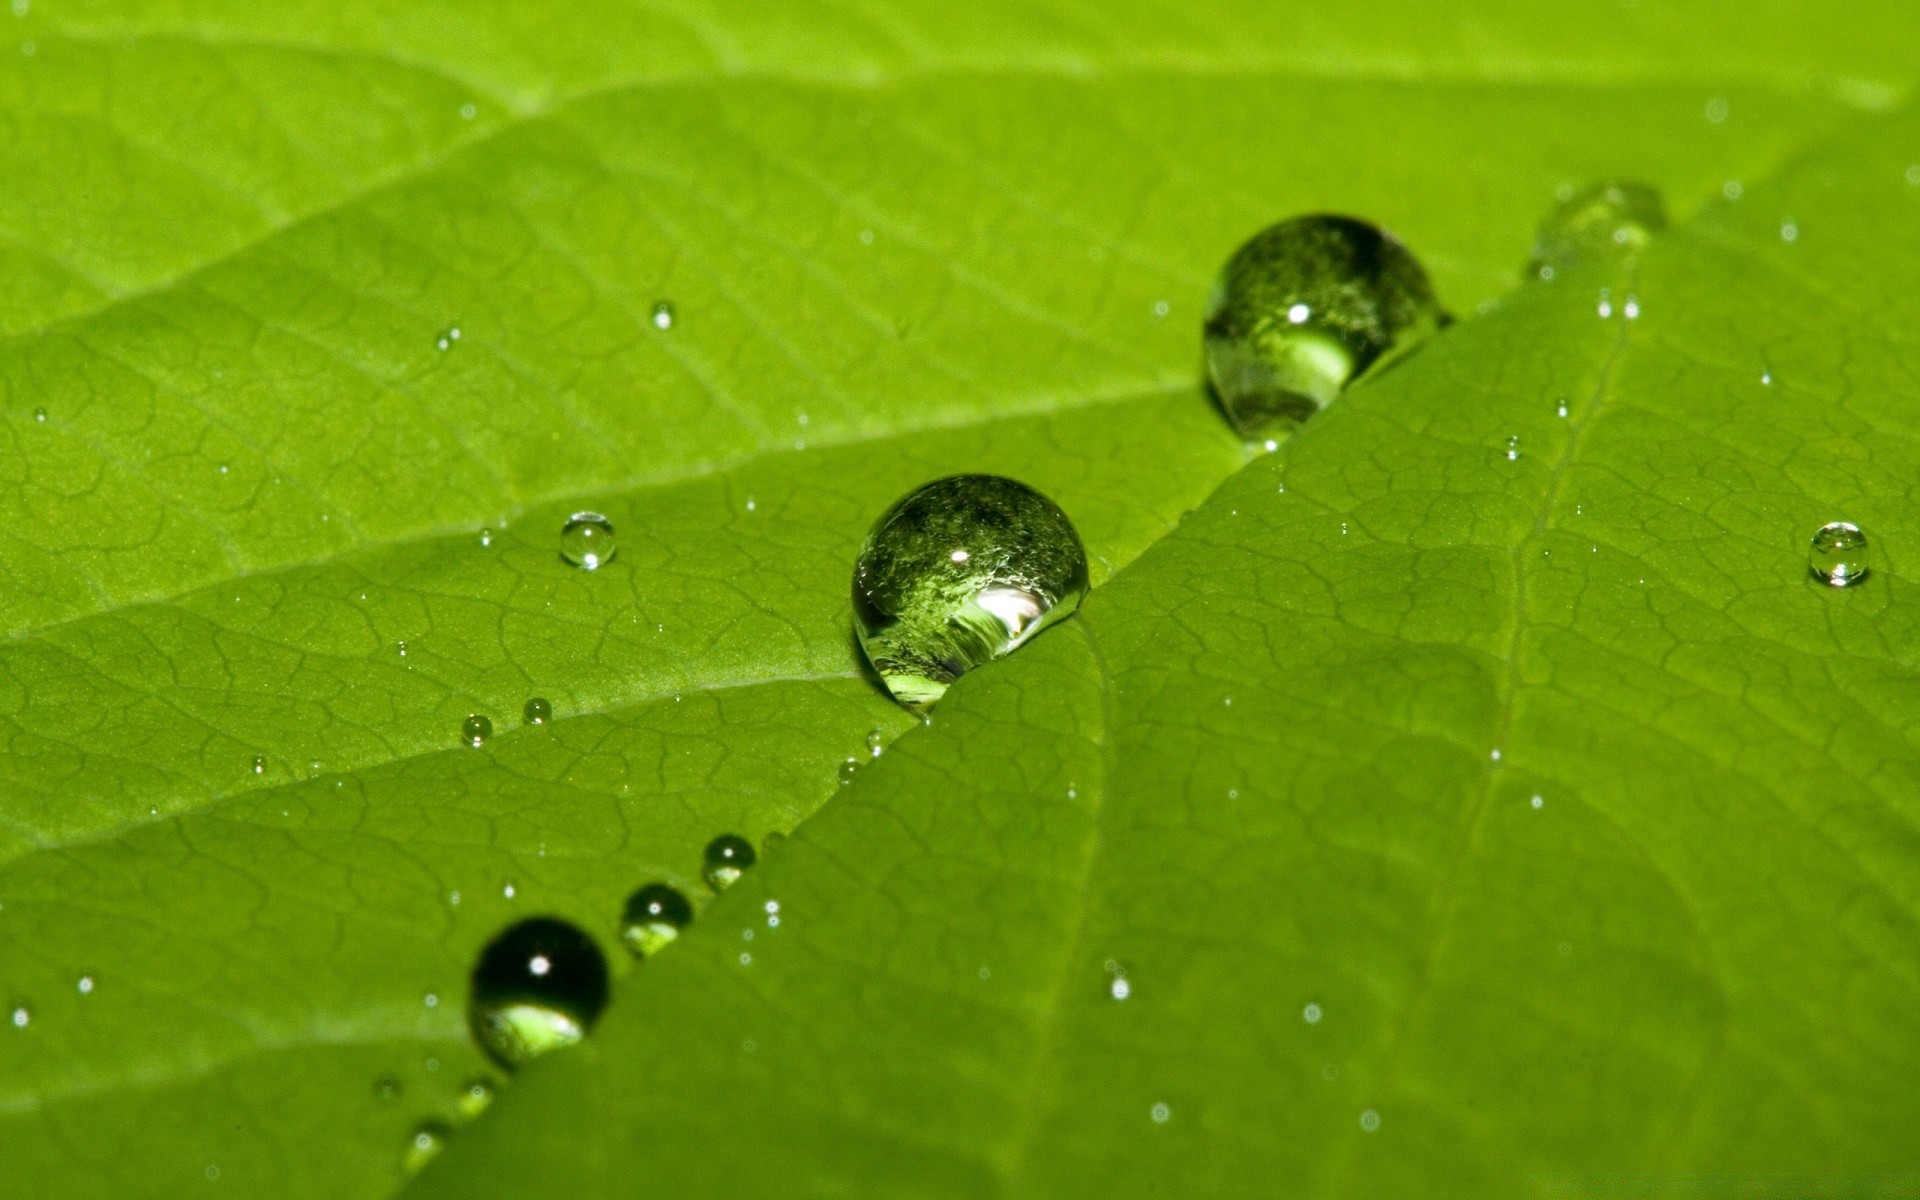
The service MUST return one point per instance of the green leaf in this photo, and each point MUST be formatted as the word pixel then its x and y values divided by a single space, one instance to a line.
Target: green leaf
pixel 241 471
pixel 1460 823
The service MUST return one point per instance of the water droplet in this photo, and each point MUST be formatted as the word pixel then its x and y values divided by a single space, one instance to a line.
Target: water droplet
pixel 1716 110
pixel 1732 190
pixel 1560 410
pixel 1161 308
pixel 1631 310
pixel 507 891
pixel 446 340
pixel 586 541
pixel 655 915
pixel 1160 1113
pixel 848 770
pixel 539 711
pixel 1766 379
pixel 475 730
pixel 22 1016
pixel 431 1000
pixel 926 616
pixel 423 1145
pixel 1370 1121
pixel 84 985
pixel 474 1097
pixel 538 986
pixel 1311 1014
pixel 1789 231
pixel 876 743
pixel 1513 449
pixel 1838 555
pixel 402 648
pixel 1120 988
pixel 469 111
pixel 40 415
pixel 453 898
pixel 486 537
pixel 1304 308
pixel 728 857
pixel 1605 307
pixel 259 764
pixel 387 1089
pixel 1538 802
pixel 663 314
pixel 1599 223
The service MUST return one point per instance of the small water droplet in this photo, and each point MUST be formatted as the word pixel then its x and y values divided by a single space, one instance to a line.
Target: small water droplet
pixel 40 415
pixel 1631 310
pixel 1311 1014
pixel 401 647
pixel 848 770
pixel 1161 308
pixel 507 891
pixel 423 1145
pixel 1538 801
pixel 663 314
pixel 1837 555
pixel 475 730
pixel 486 537
pixel 1766 379
pixel 538 986
pixel 876 743
pixel 387 1089
pixel 22 1016
pixel 259 764
pixel 586 541
pixel 1513 449
pixel 453 898
pixel 1495 755
pixel 1160 1113
pixel 539 711
pixel 1120 987
pixel 924 616
pixel 84 985
pixel 1560 410
pixel 1304 308
pixel 654 916
pixel 1370 1121
pixel 1605 307
pixel 1600 223
pixel 446 340
pixel 431 1000
pixel 474 1097
pixel 727 857
pixel 1732 190
pixel 1789 231
pixel 1716 110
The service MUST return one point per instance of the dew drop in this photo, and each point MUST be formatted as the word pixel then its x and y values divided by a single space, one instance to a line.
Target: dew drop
pixel 1311 1014
pixel 1766 379
pixel 423 1145
pixel 475 730
pixel 1560 410
pixel 654 916
pixel 1120 988
pixel 727 858
pixel 1160 1113
pixel 507 891
pixel 1789 231
pixel 1732 189
pixel 1304 308
pixel 1538 802
pixel 539 711
pixel 84 985
pixel 387 1089
pixel 1716 111
pixel 925 615
pixel 1838 555
pixel 259 764
pixel 446 340
pixel 469 111
pixel 1370 1121
pixel 431 1000
pixel 1598 224
pixel 1605 307
pixel 22 1016
pixel 848 770
pixel 663 314
pixel 1513 449
pixel 1631 310
pixel 538 986
pixel 876 743
pixel 486 537
pixel 586 541
pixel 475 1097
pixel 40 415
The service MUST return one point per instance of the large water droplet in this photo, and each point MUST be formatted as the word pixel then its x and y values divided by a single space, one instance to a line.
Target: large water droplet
pixel 475 730
pixel 423 1145
pixel 728 857
pixel 1838 555
pixel 586 541
pixel 961 571
pixel 539 711
pixel 1608 219
pixel 1305 307
pixel 538 986
pixel 655 916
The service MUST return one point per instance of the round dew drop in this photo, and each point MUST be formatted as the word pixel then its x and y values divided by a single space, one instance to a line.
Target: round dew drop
pixel 475 730
pixel 1604 222
pixel 728 857
pixel 663 314
pixel 538 986
pixel 539 711
pixel 1837 556
pixel 587 542
pixel 960 572
pixel 655 915
pixel 1303 309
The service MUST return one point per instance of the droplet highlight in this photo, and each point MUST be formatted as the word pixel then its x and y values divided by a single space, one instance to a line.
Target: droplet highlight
pixel 424 1144
pixel 475 1097
pixel 1837 555
pixel 663 314
pixel 538 986
pixel 654 916
pixel 1304 308
pixel 587 541
pixel 960 572
pixel 1604 221
pixel 727 858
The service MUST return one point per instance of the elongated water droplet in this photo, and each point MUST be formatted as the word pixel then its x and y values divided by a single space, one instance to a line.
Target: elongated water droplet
pixel 959 572
pixel 586 541
pixel 539 711
pixel 475 1097
pixel 1838 555
pixel 486 537
pixel 1303 309
pixel 655 915
pixel 1604 221
pixel 423 1145
pixel 475 730
pixel 848 770
pixel 538 986
pixel 728 857
pixel 663 314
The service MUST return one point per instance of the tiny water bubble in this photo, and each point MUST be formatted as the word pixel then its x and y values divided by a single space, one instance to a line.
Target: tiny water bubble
pixel 538 711
pixel 1837 555
pixel 475 730
pixel 654 916
pixel 84 985
pixel 587 542
pixel 1789 231
pixel 424 1144
pixel 469 111
pixel 507 891
pixel 727 858
pixel 958 572
pixel 1161 308
pixel 663 314
pixel 1311 1014
pixel 1160 1113
pixel 1304 308
pixel 22 1016
pixel 259 764
pixel 1732 189
pixel 538 986
pixel 1600 223
pixel 1370 1121
pixel 431 1000
pixel 1513 449
pixel 474 1097
pixel 1766 379
pixel 1538 801
pixel 40 415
